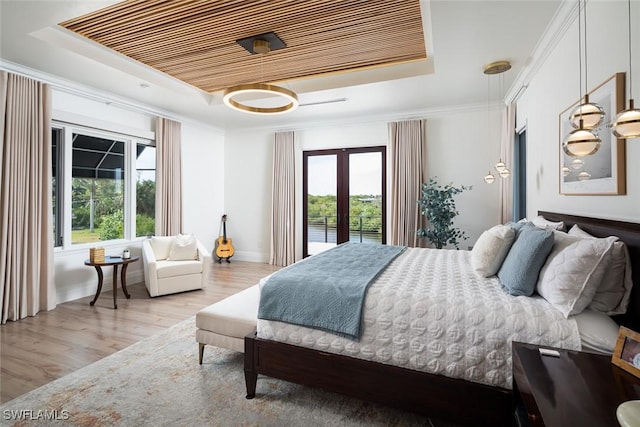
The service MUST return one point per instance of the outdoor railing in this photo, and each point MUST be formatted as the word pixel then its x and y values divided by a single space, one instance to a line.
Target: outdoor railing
pixel 323 229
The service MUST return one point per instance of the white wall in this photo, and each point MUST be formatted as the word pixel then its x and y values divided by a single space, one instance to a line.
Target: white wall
pixel 203 196
pixel 453 156
pixel 248 157
pixel 554 88
pixel 202 181
pixel 459 151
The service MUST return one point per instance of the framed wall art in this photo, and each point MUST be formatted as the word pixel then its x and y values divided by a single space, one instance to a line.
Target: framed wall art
pixel 604 172
pixel 627 352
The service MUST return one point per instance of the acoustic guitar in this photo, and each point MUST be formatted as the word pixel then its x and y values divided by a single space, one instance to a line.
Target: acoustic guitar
pixel 224 249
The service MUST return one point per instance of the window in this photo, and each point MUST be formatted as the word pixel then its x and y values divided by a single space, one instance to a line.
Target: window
pixel 95 195
pixel 56 189
pixel 97 189
pixel 145 190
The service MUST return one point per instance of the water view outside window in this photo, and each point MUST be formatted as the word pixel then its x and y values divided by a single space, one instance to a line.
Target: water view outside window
pixel 365 198
pixel 145 190
pixel 322 208
pixel 98 189
pixel 361 206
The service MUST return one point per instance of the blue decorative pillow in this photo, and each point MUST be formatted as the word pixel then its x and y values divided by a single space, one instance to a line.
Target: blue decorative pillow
pixel 519 272
pixel 517 226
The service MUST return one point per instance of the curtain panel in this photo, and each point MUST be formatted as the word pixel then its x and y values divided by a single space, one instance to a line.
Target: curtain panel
pixel 283 213
pixel 506 152
pixel 408 171
pixel 26 237
pixel 169 177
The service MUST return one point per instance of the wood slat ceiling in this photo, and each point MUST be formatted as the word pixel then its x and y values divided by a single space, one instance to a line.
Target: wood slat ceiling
pixel 195 40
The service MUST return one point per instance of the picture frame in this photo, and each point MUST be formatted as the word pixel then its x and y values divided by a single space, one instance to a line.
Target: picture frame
pixel 607 167
pixel 626 354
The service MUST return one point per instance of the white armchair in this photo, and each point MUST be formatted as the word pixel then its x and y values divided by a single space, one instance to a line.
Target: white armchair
pixel 174 264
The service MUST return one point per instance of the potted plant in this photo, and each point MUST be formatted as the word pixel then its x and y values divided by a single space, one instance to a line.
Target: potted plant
pixel 438 206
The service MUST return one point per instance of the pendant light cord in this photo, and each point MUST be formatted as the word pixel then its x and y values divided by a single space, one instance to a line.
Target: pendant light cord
pixel 630 73
pixel 488 104
pixel 580 57
pixel 586 66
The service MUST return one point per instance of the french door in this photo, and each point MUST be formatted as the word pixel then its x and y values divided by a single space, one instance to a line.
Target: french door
pixel 344 197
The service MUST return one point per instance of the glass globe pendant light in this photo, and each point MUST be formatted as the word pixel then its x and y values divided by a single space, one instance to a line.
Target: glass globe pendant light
pixel 627 123
pixel 498 67
pixel 489 178
pixel 565 171
pixel 502 169
pixel 582 141
pixel 592 115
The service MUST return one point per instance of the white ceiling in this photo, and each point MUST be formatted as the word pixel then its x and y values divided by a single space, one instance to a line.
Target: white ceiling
pixel 461 36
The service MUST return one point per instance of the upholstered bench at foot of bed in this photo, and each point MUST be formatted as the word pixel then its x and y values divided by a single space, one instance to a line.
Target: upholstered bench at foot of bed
pixel 226 323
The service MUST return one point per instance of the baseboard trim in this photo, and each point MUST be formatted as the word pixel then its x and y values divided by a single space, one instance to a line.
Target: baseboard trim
pixel 88 288
pixel 248 256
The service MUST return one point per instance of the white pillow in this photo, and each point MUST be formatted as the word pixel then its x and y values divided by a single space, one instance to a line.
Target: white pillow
pixel 579 232
pixel 542 222
pixel 184 247
pixel 161 246
pixel 598 332
pixel 612 296
pixel 573 271
pixel 491 248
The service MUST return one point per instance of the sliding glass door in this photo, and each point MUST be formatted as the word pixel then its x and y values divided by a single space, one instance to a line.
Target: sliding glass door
pixel 344 197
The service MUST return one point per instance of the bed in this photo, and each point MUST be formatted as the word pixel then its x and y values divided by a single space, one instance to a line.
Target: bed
pixel 434 395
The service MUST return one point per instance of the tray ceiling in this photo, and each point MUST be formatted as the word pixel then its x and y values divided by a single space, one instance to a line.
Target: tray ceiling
pixel 195 41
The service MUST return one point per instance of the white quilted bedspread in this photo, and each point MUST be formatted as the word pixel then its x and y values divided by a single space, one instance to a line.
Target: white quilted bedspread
pixel 429 311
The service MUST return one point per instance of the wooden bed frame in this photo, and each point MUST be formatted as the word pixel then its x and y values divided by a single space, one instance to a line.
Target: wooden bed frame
pixel 433 395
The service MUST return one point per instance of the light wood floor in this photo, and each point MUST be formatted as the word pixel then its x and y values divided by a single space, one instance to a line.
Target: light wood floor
pixel 40 349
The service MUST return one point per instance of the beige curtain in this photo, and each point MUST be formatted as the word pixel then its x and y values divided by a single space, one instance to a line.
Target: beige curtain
pixel 169 177
pixel 26 237
pixel 506 154
pixel 283 211
pixel 408 169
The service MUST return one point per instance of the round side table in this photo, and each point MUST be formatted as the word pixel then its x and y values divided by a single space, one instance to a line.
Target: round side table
pixel 115 262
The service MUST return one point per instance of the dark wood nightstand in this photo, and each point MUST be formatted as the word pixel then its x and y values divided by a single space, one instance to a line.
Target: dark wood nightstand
pixel 575 389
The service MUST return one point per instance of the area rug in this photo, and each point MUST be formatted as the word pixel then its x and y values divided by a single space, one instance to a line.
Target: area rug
pixel 158 382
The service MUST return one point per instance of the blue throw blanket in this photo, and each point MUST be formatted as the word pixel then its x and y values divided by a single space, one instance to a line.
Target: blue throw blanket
pixel 326 291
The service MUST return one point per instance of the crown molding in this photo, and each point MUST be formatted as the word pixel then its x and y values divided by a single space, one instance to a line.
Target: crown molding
pixel 376 119
pixel 93 94
pixel 563 18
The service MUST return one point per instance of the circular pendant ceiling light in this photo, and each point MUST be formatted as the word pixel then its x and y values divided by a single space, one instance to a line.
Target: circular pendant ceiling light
pixel 261 44
pixel 260 89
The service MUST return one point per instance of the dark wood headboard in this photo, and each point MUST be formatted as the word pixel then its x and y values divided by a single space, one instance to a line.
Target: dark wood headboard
pixel 629 233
